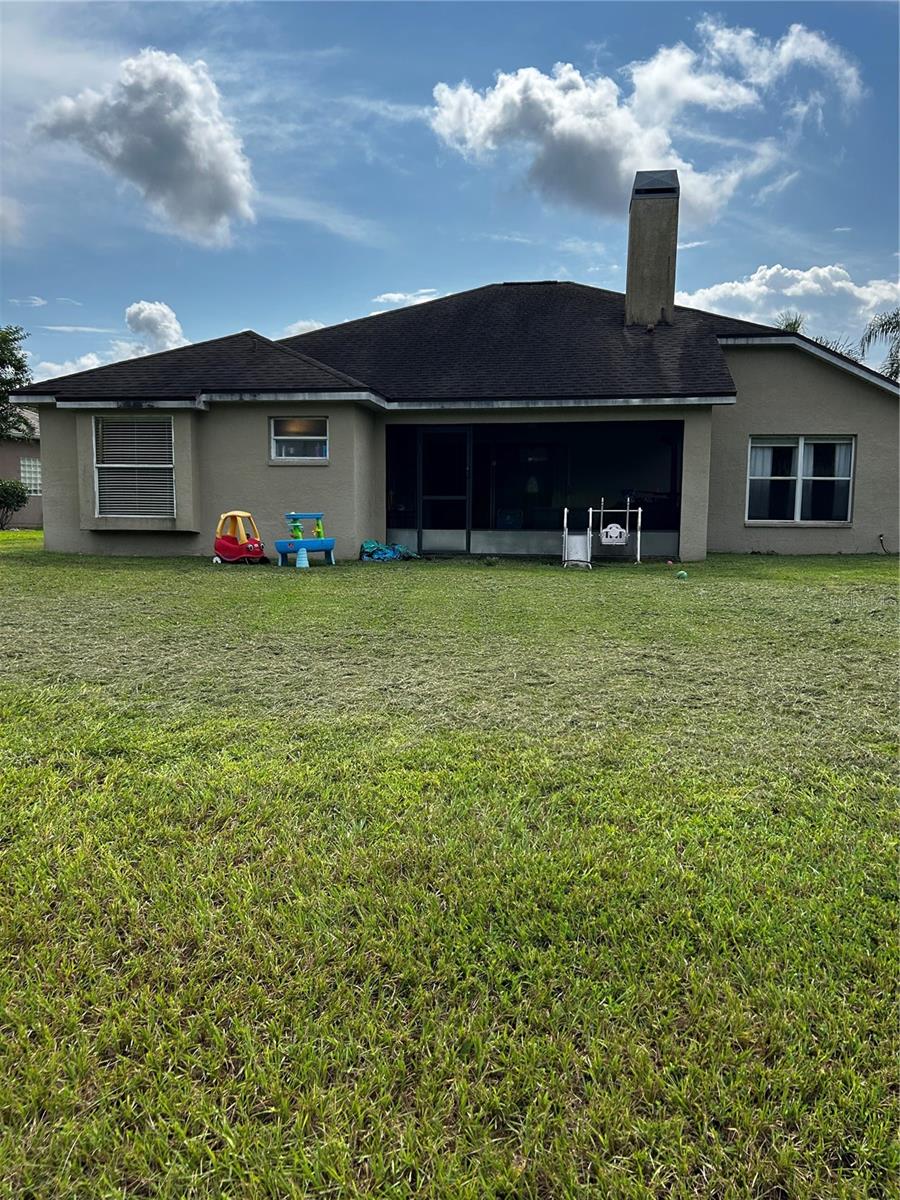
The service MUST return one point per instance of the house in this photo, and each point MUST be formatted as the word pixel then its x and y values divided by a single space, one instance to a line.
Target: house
pixel 466 424
pixel 20 459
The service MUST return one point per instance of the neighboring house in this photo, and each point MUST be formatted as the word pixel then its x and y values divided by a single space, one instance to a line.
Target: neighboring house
pixel 467 424
pixel 20 458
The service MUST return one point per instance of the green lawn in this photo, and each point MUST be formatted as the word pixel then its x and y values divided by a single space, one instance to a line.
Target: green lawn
pixel 447 879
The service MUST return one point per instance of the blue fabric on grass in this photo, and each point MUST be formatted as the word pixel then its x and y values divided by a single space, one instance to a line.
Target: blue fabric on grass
pixel 372 551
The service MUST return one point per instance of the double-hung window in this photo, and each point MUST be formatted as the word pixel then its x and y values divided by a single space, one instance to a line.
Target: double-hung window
pixel 800 479
pixel 301 438
pixel 135 467
pixel 30 474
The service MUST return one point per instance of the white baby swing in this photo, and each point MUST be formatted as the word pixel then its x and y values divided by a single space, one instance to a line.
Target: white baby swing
pixel 578 547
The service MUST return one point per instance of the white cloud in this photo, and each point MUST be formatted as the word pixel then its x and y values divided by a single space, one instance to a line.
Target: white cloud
pixel 327 216
pixel 12 220
pixel 29 301
pixel 518 239
pixel 301 327
pixel 584 138
pixel 837 299
pixel 764 62
pixel 154 322
pixel 692 245
pixel 675 79
pixel 577 245
pixel 404 299
pixel 85 362
pixel 811 109
pixel 77 329
pixel 69 300
pixel 776 186
pixel 160 126
pixel 842 229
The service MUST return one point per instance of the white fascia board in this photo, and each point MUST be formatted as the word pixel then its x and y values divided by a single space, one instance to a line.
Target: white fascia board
pixel 816 351
pixel 463 405
pixel 289 397
pixel 198 404
pixel 18 398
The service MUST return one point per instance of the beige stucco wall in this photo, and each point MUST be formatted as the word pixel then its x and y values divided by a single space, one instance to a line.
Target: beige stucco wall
pixel 12 451
pixel 784 390
pixel 221 462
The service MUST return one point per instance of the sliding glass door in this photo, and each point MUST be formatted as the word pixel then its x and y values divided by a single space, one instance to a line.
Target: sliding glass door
pixel 444 488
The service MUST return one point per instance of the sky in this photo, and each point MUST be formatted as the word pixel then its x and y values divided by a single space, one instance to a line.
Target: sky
pixel 174 172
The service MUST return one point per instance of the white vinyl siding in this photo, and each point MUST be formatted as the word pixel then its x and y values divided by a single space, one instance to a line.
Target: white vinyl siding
pixel 301 438
pixel 800 479
pixel 135 469
pixel 30 475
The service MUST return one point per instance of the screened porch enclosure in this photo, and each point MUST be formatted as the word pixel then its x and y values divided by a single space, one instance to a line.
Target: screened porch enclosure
pixel 501 488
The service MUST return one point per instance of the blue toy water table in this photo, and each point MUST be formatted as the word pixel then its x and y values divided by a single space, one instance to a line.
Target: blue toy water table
pixel 299 545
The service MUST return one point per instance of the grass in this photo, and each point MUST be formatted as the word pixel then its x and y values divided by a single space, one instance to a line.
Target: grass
pixel 447 880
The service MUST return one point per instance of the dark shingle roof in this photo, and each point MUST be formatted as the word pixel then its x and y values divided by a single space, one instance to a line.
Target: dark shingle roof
pixel 524 340
pixel 513 341
pixel 240 362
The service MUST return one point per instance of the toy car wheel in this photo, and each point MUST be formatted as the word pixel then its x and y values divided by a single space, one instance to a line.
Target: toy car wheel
pixel 217 560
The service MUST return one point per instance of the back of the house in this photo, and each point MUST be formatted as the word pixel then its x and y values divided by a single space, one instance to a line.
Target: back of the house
pixel 468 424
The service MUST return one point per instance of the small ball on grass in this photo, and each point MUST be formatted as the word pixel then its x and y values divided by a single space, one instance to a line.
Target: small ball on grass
pixel 681 574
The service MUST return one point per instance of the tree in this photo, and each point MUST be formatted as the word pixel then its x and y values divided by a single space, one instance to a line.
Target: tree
pixel 885 327
pixel 13 496
pixel 790 320
pixel 14 374
pixel 793 321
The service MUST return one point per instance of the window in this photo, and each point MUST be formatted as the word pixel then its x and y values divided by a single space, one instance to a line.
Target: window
pixel 30 474
pixel 134 466
pixel 299 437
pixel 799 479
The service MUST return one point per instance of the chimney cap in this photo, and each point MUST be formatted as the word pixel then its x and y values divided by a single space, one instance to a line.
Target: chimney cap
pixel 655 183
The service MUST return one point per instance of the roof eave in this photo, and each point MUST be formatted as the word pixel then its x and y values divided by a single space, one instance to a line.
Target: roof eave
pixel 554 402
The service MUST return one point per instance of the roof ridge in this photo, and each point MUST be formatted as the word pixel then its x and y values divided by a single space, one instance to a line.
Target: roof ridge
pixel 308 358
pixel 717 316
pixel 143 358
pixel 391 312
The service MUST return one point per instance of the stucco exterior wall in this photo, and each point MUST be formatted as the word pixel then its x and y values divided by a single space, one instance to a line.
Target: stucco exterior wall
pixel 221 462
pixel 12 451
pixel 784 390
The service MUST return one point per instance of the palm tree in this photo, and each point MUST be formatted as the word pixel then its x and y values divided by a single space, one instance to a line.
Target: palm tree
pixel 790 320
pixel 793 321
pixel 885 327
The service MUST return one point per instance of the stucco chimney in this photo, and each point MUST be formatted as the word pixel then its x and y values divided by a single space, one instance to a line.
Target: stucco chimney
pixel 652 239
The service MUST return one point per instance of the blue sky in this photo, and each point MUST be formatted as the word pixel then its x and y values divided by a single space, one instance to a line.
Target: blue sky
pixel 332 160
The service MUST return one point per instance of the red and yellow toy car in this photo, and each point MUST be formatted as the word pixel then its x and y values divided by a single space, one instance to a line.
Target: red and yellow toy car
pixel 232 545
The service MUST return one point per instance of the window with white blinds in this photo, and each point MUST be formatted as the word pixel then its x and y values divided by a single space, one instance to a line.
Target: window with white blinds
pixel 135 467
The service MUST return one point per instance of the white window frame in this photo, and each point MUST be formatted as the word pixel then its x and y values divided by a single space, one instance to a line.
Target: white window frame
pixel 40 481
pixel 800 441
pixel 298 458
pixel 170 466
